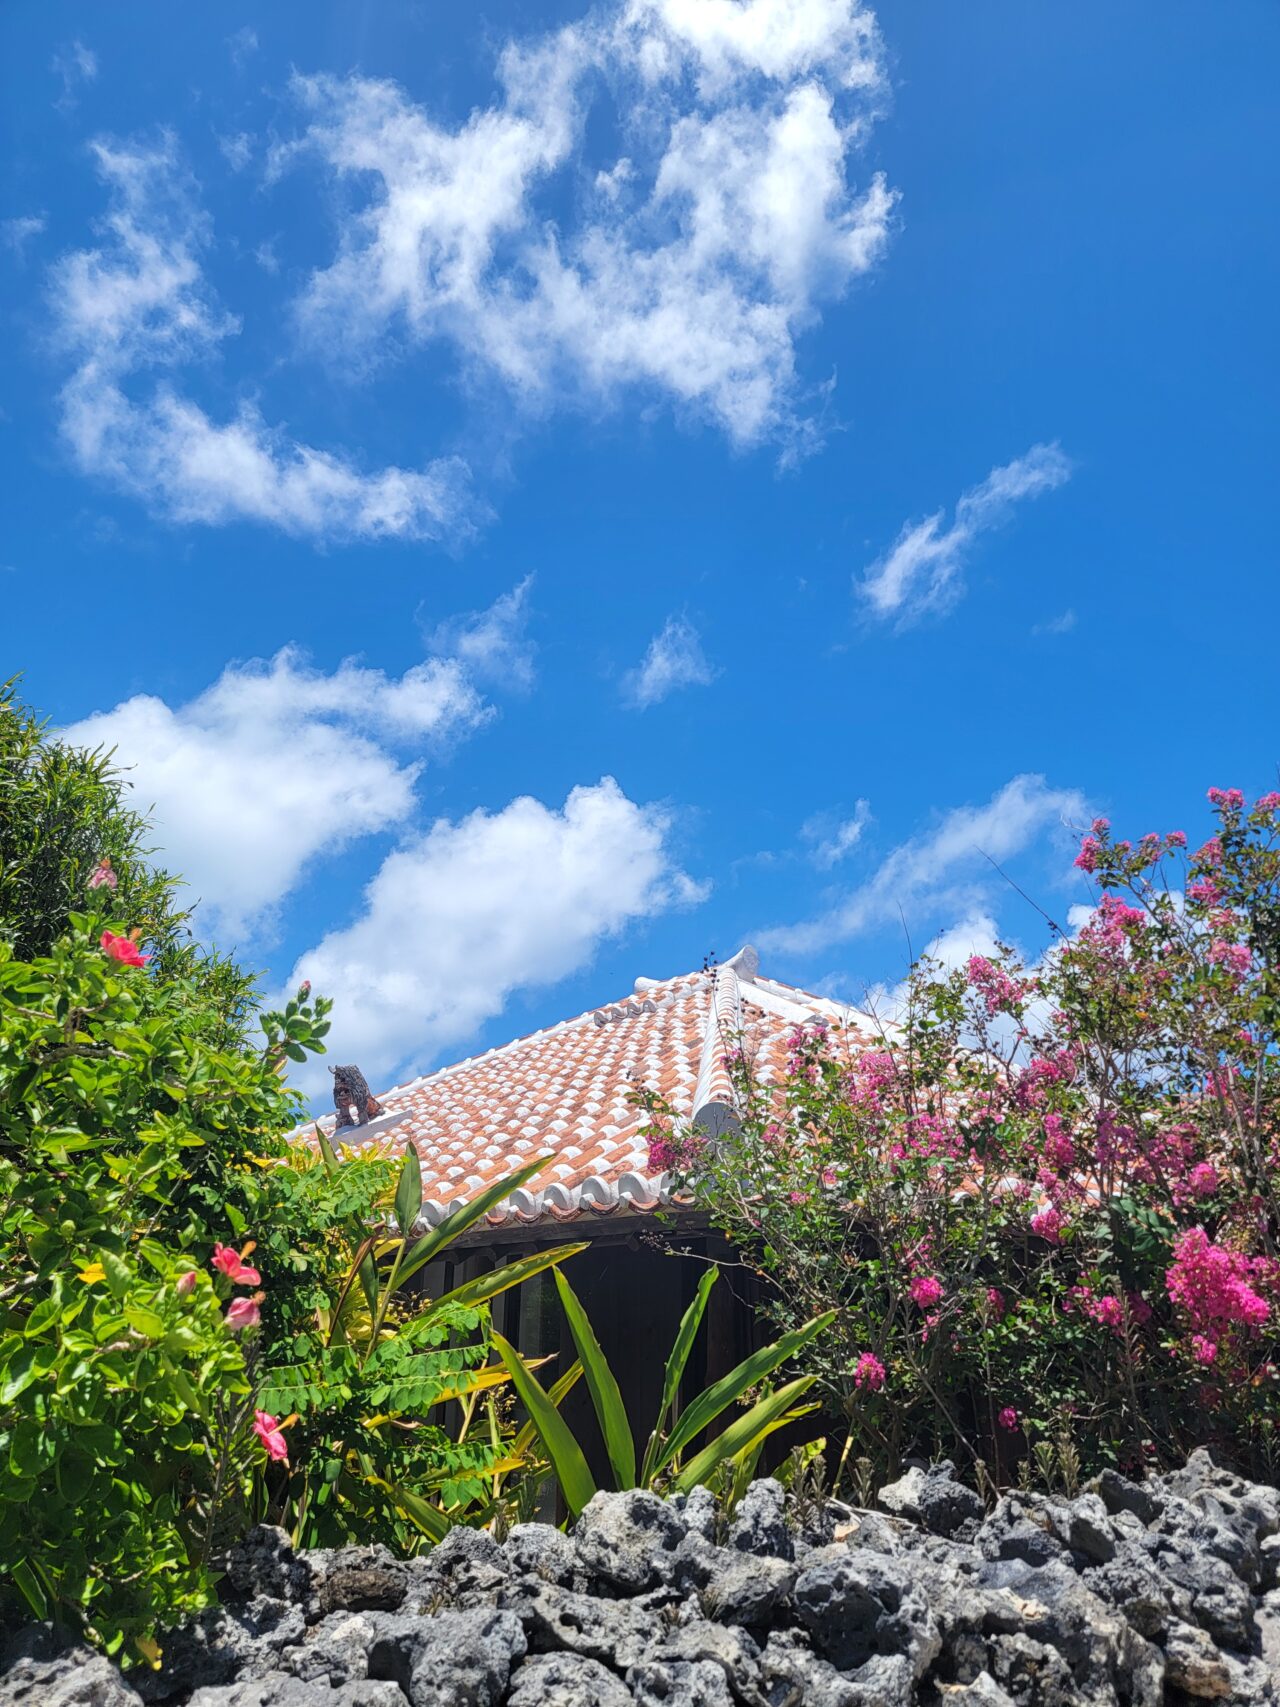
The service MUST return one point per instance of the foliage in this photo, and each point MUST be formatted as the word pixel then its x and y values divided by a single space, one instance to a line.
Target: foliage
pixel 664 1464
pixel 120 1120
pixel 378 1357
pixel 63 818
pixel 1043 1202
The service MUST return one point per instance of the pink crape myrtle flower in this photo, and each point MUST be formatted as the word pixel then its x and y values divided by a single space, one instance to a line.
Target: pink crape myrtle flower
pixel 925 1289
pixel 1234 956
pixel 1229 799
pixel 243 1313
pixel 995 1301
pixel 122 948
pixel 1008 1419
pixel 1202 1349
pixel 1203 1179
pixel 231 1263
pixel 1047 1224
pixel 869 1372
pixel 1213 1284
pixel 267 1429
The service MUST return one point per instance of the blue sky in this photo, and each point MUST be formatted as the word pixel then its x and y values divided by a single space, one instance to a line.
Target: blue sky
pixel 850 432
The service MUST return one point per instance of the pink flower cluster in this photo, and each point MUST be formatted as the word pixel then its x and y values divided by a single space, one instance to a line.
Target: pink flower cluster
pixel 1234 956
pixel 1047 1224
pixel 1216 1287
pixel 1226 799
pixel 869 1373
pixel 873 1074
pixel 925 1289
pixel 1000 993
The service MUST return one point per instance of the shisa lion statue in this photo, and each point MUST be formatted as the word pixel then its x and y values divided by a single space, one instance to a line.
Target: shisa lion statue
pixel 351 1089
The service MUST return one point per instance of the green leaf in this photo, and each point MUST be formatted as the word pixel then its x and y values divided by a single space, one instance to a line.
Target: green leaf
pixel 708 1405
pixel 741 1433
pixel 602 1386
pixel 487 1286
pixel 562 1449
pixel 689 1324
pixel 409 1192
pixel 448 1230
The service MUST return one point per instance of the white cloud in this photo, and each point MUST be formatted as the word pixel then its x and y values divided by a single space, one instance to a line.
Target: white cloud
pixel 832 837
pixel 492 643
pixel 1062 624
pixel 242 46
pixel 922 571
pixel 947 865
pixel 75 65
pixel 236 149
pixel 17 233
pixel 674 659
pixel 457 920
pixel 691 264
pixel 140 303
pixel 278 764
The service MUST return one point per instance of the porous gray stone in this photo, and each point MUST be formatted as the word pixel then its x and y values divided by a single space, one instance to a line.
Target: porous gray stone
pixel 615 1632
pixel 566 1680
pixel 538 1550
pixel 41 1672
pixel 224 1645
pixel 336 1650
pixel 455 1659
pixel 759 1524
pixel 629 1541
pixel 263 1563
pixel 862 1605
pixel 935 1499
pixel 678 1683
pixel 279 1690
pixel 355 1579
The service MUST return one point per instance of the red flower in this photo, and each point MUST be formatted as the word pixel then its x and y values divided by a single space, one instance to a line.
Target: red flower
pixel 232 1264
pixel 243 1313
pixel 267 1429
pixel 123 949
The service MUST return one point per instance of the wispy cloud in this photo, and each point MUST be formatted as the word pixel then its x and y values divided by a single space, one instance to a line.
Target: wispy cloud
pixel 242 46
pixel 1062 624
pixel 832 837
pixel 236 149
pixel 17 233
pixel 947 864
pixel 493 643
pixel 686 264
pixel 76 65
pixel 922 572
pixel 139 306
pixel 674 659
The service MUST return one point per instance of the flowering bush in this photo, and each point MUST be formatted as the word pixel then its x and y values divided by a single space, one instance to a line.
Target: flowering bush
pixel 1042 1199
pixel 125 1136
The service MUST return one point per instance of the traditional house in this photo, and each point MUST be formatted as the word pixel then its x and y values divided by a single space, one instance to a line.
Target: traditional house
pixel 565 1092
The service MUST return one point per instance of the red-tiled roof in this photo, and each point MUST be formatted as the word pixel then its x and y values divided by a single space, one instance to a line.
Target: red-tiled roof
pixel 565 1091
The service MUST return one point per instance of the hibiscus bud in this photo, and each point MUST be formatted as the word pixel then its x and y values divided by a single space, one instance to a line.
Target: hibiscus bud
pixel 186 1283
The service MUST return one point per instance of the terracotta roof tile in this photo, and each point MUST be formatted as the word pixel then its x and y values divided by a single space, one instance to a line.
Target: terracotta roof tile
pixel 564 1090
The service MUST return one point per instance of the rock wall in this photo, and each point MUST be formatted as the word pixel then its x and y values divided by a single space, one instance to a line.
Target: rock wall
pixel 1131 1595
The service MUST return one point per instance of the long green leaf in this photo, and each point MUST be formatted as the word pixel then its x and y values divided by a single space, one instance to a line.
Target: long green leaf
pixel 741 1433
pixel 555 1434
pixel 602 1386
pixel 409 1191
pixel 730 1388
pixel 449 1229
pixel 689 1324
pixel 557 1392
pixel 429 1518
pixel 328 1155
pixel 486 1286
